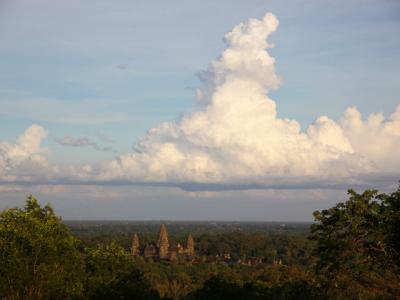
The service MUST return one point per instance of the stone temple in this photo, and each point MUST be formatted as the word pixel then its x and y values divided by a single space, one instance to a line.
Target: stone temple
pixel 162 250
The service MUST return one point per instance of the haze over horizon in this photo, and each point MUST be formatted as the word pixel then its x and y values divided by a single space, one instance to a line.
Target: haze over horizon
pixel 97 120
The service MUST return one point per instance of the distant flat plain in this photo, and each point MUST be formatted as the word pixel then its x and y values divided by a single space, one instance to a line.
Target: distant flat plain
pixel 179 228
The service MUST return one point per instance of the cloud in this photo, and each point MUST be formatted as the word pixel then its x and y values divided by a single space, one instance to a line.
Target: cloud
pixel 81 142
pixel 238 141
pixel 376 138
pixel 105 138
pixel 25 159
pixel 122 67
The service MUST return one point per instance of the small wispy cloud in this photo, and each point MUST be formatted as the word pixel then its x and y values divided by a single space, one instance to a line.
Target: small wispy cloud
pixel 105 138
pixel 122 67
pixel 81 142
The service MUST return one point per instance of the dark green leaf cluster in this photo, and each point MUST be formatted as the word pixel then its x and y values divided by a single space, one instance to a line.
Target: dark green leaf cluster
pixel 271 247
pixel 111 274
pixel 220 289
pixel 357 246
pixel 39 258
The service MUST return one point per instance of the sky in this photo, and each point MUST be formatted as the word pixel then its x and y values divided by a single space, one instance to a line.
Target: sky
pixel 197 110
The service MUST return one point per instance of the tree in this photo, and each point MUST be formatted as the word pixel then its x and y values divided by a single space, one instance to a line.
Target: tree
pixel 220 289
pixel 391 207
pixel 39 258
pixel 356 247
pixel 111 274
pixel 217 288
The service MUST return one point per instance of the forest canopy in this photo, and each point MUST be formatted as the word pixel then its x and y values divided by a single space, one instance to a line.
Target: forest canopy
pixel 351 252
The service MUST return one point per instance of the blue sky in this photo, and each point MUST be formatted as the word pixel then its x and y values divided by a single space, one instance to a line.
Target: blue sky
pixel 108 71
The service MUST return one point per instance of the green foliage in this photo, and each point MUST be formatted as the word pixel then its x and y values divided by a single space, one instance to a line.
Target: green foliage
pixel 39 258
pixel 272 247
pixel 356 247
pixel 353 253
pixel 111 275
pixel 219 289
pixel 391 226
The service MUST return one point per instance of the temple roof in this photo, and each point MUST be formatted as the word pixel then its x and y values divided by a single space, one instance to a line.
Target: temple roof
pixel 163 236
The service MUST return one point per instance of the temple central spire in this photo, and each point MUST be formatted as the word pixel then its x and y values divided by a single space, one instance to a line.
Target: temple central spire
pixel 162 242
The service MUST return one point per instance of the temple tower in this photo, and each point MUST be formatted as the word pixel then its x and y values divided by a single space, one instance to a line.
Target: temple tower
pixel 162 242
pixel 135 248
pixel 190 245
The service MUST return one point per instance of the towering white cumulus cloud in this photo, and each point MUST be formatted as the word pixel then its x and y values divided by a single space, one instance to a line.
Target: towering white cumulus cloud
pixel 239 139
pixel 24 159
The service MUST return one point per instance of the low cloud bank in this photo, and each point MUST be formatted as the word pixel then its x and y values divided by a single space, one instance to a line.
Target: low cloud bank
pixel 237 139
